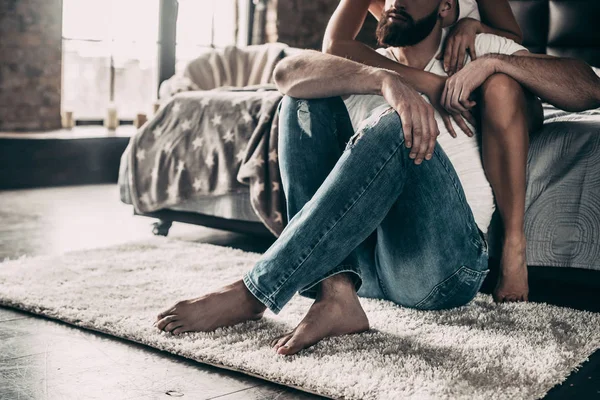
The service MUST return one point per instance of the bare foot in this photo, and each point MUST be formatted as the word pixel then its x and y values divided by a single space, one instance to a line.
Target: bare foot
pixel 512 282
pixel 335 312
pixel 229 306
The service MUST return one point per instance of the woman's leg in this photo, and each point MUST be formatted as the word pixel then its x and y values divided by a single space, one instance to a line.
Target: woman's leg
pixel 505 133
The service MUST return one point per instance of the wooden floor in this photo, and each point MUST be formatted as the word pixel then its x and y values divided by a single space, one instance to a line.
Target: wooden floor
pixel 43 359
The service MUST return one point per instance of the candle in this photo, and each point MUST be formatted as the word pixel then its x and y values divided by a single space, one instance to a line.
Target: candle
pixel 139 120
pixel 67 120
pixel 111 121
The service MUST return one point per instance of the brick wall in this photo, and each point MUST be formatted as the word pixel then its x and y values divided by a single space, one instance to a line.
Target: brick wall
pixel 30 64
pixel 302 23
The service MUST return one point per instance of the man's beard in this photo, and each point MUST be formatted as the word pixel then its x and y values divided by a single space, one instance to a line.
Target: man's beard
pixel 409 33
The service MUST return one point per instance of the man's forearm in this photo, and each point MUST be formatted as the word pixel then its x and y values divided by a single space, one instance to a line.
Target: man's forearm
pixel 351 49
pixel 568 84
pixel 312 74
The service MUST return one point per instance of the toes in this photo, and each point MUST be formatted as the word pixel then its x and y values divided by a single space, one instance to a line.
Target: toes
pixel 165 321
pixel 282 341
pixel 165 313
pixel 179 330
pixel 275 341
pixel 172 325
pixel 292 346
pixel 278 339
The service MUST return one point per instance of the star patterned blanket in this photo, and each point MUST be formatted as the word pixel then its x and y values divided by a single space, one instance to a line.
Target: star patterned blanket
pixel 214 142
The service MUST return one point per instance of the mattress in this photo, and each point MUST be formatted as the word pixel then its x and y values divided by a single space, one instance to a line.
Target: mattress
pixel 562 218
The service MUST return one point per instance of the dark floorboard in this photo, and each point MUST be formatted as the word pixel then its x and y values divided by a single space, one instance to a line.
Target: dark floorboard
pixel 44 359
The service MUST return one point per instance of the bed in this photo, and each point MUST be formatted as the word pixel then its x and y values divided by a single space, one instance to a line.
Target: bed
pixel 562 219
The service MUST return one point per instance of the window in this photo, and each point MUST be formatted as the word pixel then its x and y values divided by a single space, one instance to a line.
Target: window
pixel 97 33
pixel 202 24
pixel 125 34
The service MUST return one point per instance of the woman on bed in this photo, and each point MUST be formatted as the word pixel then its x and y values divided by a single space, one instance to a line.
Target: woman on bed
pixel 505 111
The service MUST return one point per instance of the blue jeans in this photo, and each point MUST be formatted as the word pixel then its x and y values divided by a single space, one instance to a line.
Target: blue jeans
pixel 358 204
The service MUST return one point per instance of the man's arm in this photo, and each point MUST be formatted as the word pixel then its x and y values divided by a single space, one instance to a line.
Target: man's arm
pixel 312 74
pixel 566 83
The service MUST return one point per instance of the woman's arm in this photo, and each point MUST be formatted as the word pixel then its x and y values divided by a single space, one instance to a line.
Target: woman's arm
pixel 339 40
pixel 497 18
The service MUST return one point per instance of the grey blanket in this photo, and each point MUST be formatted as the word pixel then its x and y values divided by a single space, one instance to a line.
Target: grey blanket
pixel 210 143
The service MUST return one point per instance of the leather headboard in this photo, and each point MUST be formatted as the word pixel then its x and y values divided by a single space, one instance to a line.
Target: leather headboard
pixel 567 28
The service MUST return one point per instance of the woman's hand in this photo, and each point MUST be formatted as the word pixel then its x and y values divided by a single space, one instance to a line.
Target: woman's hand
pixel 460 39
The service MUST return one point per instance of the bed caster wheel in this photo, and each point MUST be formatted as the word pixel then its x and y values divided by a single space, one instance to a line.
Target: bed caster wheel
pixel 161 228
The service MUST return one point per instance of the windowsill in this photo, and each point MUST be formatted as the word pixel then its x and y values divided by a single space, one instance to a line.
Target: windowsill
pixel 78 132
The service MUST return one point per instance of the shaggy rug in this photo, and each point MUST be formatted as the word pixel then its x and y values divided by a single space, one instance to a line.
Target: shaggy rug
pixel 480 351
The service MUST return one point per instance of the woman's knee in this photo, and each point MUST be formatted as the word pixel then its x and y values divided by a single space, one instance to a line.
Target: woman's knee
pixel 503 102
pixel 500 88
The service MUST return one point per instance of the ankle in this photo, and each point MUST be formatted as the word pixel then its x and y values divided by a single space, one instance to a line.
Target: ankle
pixel 338 285
pixel 253 303
pixel 514 238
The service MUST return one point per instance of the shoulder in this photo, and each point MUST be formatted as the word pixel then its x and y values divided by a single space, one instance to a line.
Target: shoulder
pixel 486 43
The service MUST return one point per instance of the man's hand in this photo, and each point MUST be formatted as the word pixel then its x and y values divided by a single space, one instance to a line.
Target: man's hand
pixel 456 97
pixel 434 93
pixel 417 116
pixel 460 40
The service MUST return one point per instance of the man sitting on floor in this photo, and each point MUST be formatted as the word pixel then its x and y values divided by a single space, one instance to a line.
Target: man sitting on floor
pixel 364 218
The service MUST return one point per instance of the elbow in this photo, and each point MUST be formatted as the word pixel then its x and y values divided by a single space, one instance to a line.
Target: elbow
pixel 333 47
pixel 285 77
pixel 597 93
pixel 517 35
pixel 327 45
pixel 281 76
pixel 586 86
pixel 594 86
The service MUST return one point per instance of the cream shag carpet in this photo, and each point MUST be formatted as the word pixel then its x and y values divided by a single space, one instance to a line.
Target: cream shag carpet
pixel 480 351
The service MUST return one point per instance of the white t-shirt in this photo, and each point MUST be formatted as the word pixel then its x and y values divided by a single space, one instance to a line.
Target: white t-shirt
pixel 468 9
pixel 462 151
